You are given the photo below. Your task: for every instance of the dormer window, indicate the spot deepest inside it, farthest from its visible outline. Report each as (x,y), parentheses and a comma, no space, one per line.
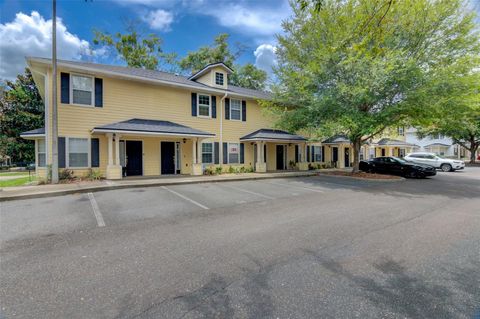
(219,78)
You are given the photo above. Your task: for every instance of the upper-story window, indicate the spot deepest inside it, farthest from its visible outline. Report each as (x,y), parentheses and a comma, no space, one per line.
(218,78)
(204,105)
(82,89)
(235,109)
(401,131)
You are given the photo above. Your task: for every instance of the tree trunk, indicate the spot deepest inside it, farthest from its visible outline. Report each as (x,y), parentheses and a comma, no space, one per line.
(473,149)
(357,144)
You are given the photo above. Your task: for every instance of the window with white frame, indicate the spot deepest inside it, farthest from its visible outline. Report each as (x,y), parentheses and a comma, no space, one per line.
(207,153)
(235,109)
(233,153)
(78,152)
(82,89)
(401,131)
(41,153)
(318,153)
(218,78)
(204,105)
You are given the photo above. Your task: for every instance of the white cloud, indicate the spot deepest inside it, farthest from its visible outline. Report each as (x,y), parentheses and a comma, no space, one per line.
(159,19)
(265,57)
(31,35)
(255,20)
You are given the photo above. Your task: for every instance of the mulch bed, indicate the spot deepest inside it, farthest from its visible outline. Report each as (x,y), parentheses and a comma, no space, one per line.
(361,175)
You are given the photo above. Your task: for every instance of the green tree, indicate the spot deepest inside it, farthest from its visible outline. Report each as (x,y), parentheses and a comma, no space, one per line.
(247,76)
(358,67)
(21,109)
(138,50)
(458,116)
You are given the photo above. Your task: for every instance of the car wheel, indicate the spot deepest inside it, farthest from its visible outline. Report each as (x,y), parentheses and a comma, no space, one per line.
(411,174)
(446,167)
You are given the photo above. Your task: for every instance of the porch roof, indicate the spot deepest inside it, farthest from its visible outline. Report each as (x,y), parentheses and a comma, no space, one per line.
(151,127)
(392,142)
(272,135)
(39,132)
(337,139)
(438,144)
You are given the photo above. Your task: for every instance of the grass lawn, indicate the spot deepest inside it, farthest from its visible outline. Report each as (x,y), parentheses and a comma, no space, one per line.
(14,173)
(17,181)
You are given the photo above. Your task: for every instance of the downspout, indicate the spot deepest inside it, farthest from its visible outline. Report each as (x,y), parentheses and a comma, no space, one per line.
(220,146)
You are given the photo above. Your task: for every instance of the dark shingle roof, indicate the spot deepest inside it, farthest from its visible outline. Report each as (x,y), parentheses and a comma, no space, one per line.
(157,75)
(392,142)
(270,134)
(337,139)
(38,131)
(152,126)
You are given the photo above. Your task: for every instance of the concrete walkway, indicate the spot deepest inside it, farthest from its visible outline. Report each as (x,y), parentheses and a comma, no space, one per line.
(24,192)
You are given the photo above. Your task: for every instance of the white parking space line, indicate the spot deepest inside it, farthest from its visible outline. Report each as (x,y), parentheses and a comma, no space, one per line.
(296,186)
(185,197)
(96,210)
(247,191)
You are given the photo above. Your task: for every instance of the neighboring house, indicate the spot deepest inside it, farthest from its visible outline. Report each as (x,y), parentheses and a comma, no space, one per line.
(130,122)
(437,144)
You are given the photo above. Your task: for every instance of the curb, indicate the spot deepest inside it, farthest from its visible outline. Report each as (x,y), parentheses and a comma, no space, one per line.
(152,184)
(400,179)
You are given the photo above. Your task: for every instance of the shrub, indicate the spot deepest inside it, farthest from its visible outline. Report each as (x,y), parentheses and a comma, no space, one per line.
(65,175)
(231,169)
(209,171)
(218,170)
(93,175)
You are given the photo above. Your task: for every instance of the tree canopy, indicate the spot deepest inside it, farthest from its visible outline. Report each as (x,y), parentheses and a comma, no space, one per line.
(358,67)
(138,50)
(21,109)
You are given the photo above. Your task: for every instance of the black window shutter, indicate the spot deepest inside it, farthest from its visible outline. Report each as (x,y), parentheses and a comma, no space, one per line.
(242,153)
(313,153)
(308,153)
(214,106)
(323,153)
(98,92)
(225,153)
(296,153)
(61,152)
(194,104)
(65,88)
(265,153)
(95,152)
(227,108)
(244,110)
(216,152)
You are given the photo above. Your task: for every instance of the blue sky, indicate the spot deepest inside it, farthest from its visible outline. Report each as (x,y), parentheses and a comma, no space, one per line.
(184,25)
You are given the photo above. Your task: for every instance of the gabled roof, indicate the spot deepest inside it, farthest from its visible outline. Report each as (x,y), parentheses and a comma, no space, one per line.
(392,142)
(34,133)
(151,127)
(337,139)
(198,74)
(154,76)
(438,144)
(270,134)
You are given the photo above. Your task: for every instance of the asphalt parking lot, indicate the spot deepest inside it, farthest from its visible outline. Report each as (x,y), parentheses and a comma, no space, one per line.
(311,247)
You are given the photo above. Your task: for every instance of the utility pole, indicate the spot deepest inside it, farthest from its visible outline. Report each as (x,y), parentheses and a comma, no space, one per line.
(54,97)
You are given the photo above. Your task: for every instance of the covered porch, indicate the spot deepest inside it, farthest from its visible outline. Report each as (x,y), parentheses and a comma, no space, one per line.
(140,147)
(391,147)
(338,151)
(276,150)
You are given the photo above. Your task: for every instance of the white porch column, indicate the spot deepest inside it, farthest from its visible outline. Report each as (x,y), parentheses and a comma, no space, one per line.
(259,155)
(196,157)
(199,151)
(260,165)
(117,149)
(194,151)
(110,149)
(114,171)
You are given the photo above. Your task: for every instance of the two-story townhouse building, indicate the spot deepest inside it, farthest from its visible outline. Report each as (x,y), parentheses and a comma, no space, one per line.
(134,122)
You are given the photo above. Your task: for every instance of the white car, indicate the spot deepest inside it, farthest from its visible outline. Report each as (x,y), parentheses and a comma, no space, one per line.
(445,164)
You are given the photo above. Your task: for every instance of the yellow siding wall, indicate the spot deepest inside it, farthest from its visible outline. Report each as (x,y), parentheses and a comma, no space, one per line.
(124,100)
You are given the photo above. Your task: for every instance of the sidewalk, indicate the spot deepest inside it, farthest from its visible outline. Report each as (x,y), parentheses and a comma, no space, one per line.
(25,192)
